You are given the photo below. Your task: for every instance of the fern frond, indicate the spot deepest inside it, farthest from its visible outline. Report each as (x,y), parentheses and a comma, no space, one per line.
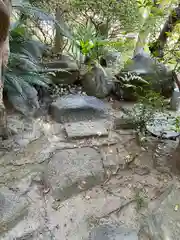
(23,62)
(13,83)
(36,79)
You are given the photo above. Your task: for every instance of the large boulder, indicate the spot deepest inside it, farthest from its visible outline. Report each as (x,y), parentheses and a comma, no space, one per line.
(110,58)
(74,108)
(65,70)
(98,82)
(158,76)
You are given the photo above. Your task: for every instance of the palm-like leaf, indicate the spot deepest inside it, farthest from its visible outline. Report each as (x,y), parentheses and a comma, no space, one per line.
(24,69)
(23,72)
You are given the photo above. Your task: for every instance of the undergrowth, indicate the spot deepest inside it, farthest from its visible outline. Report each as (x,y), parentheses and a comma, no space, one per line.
(144,110)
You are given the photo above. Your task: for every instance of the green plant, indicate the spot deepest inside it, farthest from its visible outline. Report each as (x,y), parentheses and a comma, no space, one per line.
(89,42)
(177,124)
(140,199)
(23,71)
(125,13)
(35,15)
(97,48)
(132,81)
(152,100)
(144,111)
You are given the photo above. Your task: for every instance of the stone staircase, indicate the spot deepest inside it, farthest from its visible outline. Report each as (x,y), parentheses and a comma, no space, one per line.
(60,181)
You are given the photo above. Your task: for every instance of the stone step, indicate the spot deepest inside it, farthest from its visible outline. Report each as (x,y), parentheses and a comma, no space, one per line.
(84,129)
(74,108)
(72,171)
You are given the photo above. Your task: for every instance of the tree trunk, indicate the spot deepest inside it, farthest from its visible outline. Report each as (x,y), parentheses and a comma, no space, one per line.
(157,47)
(145,31)
(102,29)
(5,9)
(142,36)
(59,42)
(141,42)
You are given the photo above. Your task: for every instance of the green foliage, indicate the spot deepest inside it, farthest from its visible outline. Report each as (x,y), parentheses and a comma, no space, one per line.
(96,27)
(124,11)
(127,80)
(144,3)
(94,45)
(152,100)
(33,16)
(116,17)
(144,111)
(23,68)
(177,124)
(24,71)
(140,198)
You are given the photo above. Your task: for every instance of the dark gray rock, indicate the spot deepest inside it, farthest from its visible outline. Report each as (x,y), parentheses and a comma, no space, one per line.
(73,108)
(63,63)
(110,232)
(65,69)
(97,82)
(158,76)
(111,58)
(12,209)
(164,222)
(73,170)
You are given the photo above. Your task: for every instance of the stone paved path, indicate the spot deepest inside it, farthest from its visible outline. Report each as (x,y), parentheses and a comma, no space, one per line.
(65,181)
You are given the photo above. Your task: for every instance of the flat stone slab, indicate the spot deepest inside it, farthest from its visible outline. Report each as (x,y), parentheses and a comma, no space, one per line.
(74,108)
(123,122)
(86,129)
(164,222)
(71,171)
(110,232)
(114,156)
(12,209)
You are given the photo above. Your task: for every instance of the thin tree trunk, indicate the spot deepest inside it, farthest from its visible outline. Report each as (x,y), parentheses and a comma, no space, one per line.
(59,42)
(142,37)
(103,29)
(145,31)
(5,9)
(158,46)
(141,42)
